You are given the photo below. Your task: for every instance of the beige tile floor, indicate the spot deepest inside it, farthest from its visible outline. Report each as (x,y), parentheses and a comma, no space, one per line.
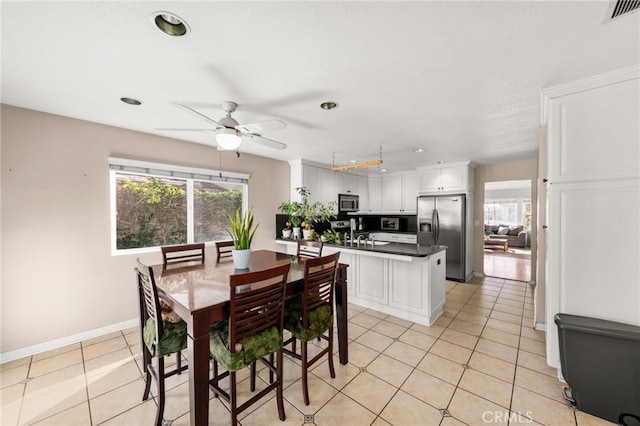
(481,363)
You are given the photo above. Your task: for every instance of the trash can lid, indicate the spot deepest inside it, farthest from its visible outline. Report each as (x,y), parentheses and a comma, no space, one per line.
(597,326)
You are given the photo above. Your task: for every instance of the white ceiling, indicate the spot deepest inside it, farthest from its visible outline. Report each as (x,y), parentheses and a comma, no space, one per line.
(460,79)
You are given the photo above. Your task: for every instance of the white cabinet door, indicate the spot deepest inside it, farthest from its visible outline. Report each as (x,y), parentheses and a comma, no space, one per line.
(402,295)
(454,179)
(347,183)
(446,179)
(410,192)
(347,259)
(392,194)
(595,134)
(431,180)
(329,187)
(375,194)
(363,192)
(437,286)
(587,274)
(373,279)
(312,180)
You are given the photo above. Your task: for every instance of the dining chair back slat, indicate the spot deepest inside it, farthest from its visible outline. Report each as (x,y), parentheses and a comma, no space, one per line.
(307,248)
(182,253)
(223,249)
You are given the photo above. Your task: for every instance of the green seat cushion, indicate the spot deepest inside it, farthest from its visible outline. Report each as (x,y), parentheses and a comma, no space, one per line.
(320,319)
(174,338)
(248,350)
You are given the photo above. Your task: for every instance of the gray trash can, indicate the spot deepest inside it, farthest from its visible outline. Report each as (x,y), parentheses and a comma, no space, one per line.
(600,361)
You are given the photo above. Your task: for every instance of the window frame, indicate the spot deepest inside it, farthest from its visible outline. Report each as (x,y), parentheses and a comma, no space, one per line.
(121,166)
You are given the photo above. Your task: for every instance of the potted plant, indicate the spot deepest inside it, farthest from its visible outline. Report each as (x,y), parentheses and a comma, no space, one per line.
(241,230)
(314,213)
(294,210)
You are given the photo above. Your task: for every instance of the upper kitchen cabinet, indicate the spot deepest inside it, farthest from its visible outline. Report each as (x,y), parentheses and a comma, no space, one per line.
(347,183)
(399,193)
(311,177)
(375,195)
(324,184)
(446,178)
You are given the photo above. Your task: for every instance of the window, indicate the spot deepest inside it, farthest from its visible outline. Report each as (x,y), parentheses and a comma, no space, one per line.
(507,212)
(155,204)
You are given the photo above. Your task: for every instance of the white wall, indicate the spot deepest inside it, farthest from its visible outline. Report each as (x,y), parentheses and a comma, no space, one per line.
(58,276)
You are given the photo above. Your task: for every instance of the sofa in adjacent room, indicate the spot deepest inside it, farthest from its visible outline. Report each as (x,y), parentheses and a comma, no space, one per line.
(515,235)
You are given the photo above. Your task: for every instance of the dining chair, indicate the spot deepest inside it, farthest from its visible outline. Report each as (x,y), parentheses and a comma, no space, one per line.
(307,248)
(223,249)
(159,337)
(253,331)
(310,315)
(182,253)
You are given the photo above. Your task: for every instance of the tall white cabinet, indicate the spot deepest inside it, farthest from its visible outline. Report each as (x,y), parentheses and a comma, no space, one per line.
(593,200)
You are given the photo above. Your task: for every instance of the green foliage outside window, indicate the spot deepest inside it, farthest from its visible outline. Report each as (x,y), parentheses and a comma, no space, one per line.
(152,211)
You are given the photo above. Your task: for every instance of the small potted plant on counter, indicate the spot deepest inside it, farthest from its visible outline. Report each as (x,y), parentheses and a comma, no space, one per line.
(294,210)
(241,230)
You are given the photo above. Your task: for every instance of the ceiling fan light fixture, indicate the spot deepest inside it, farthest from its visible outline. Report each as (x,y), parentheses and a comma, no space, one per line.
(228,139)
(170,24)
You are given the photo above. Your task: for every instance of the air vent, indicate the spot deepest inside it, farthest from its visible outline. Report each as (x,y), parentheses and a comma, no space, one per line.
(618,8)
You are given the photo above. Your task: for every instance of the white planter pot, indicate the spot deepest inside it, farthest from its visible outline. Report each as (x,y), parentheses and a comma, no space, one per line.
(296,233)
(241,258)
(307,233)
(286,234)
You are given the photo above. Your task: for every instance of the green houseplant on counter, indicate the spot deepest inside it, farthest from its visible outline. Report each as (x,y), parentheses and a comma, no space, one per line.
(313,213)
(241,230)
(294,210)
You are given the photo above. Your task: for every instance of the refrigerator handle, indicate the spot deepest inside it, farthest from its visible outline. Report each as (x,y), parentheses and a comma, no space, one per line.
(435,220)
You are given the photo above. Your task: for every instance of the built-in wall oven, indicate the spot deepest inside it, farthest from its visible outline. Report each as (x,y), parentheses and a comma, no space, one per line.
(348,203)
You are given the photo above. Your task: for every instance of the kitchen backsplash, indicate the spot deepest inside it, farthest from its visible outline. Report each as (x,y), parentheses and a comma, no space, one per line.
(408,223)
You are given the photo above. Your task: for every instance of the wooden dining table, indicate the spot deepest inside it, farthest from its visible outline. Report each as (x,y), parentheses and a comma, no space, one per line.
(199,293)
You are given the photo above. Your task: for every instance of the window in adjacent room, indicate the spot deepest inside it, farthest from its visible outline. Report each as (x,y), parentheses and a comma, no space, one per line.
(154,205)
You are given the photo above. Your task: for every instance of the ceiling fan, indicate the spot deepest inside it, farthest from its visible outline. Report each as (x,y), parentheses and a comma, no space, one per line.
(229,133)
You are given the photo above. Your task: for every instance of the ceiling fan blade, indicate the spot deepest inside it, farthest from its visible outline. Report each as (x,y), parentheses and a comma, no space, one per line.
(199,114)
(183,130)
(266,141)
(261,126)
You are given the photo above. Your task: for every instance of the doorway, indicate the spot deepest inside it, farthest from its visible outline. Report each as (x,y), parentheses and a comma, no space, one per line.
(507,229)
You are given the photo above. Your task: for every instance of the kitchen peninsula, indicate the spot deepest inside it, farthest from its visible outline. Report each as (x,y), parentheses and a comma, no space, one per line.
(404,280)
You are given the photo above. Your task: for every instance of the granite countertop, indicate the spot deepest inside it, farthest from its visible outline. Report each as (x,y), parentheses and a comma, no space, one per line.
(402,249)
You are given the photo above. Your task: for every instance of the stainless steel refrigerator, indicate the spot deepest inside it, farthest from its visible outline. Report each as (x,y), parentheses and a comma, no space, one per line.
(441,220)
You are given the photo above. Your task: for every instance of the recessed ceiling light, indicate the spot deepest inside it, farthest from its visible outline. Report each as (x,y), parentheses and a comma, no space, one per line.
(328,105)
(353,161)
(131,101)
(170,24)
(383,170)
(418,150)
(441,162)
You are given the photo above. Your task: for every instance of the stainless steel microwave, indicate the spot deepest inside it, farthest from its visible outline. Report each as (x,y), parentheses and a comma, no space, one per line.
(348,203)
(390,224)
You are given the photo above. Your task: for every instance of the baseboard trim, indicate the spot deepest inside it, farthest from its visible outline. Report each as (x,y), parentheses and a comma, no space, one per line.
(64,341)
(540,326)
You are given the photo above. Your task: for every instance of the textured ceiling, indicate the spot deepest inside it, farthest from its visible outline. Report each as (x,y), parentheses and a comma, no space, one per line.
(460,79)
